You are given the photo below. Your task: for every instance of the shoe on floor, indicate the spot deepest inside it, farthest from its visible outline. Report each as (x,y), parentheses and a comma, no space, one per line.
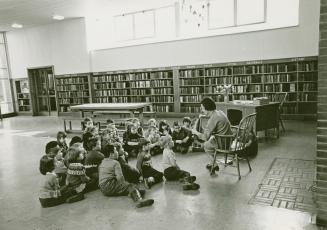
(190,186)
(144,203)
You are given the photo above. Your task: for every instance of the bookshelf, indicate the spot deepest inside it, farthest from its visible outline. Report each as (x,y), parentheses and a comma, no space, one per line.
(296,76)
(72,89)
(23,96)
(178,90)
(146,85)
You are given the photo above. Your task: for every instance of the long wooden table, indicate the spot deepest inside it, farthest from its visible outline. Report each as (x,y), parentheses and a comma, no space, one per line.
(113,108)
(267,115)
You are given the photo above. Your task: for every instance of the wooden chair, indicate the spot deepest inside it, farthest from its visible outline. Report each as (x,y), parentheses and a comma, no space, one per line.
(281,98)
(236,144)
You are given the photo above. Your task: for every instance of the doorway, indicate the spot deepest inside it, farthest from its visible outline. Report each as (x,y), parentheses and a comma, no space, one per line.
(43,92)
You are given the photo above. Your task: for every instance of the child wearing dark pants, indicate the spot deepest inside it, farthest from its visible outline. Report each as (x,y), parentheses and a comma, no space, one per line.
(182,138)
(172,171)
(51,194)
(150,175)
(112,181)
(92,161)
(131,138)
(131,174)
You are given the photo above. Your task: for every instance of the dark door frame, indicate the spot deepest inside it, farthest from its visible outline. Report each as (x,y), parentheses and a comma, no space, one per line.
(34,97)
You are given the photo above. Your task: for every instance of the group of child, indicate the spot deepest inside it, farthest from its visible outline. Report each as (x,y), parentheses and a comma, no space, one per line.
(100,160)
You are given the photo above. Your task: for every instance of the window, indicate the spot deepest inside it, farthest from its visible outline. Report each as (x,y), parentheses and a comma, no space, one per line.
(228,13)
(6,102)
(135,25)
(221,14)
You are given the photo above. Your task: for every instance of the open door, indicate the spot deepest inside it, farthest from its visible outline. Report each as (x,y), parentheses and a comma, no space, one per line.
(43,92)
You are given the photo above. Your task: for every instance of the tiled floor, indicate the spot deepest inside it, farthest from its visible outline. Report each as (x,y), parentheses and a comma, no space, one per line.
(288,184)
(221,203)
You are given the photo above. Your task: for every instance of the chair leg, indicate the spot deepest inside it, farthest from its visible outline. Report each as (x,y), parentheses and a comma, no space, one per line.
(238,167)
(247,160)
(225,159)
(282,124)
(212,171)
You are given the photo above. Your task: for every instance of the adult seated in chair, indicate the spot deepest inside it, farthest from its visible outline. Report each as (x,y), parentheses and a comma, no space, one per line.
(218,123)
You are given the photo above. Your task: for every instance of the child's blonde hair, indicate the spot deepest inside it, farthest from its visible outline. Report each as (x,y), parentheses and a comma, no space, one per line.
(164,140)
(73,153)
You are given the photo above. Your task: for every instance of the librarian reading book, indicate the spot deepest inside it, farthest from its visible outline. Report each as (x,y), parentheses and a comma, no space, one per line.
(218,123)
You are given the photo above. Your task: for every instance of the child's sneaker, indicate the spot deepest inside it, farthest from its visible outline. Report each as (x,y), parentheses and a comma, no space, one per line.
(144,203)
(192,186)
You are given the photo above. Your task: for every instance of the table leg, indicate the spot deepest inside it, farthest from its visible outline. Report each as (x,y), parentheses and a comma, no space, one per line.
(141,117)
(132,113)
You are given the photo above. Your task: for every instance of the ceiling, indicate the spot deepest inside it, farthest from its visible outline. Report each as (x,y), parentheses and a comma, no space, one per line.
(32,13)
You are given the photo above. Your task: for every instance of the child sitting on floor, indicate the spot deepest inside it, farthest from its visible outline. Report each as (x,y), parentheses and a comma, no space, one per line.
(75,139)
(153,137)
(51,194)
(92,161)
(61,140)
(182,138)
(144,165)
(137,123)
(52,151)
(164,128)
(172,171)
(112,181)
(76,177)
(131,140)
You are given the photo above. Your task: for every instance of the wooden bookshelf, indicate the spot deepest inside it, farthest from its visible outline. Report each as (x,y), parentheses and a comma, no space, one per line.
(148,85)
(178,90)
(23,96)
(296,76)
(72,89)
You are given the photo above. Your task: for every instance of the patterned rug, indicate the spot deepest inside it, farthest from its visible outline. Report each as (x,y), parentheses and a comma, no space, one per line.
(287,184)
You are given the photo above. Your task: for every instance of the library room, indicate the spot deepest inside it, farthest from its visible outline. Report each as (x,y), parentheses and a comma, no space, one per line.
(166,114)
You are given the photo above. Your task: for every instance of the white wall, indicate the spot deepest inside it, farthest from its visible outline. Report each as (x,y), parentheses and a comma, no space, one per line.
(278,43)
(61,44)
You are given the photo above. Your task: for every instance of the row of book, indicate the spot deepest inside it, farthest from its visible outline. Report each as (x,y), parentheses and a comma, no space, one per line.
(191,90)
(218,81)
(140,84)
(140,91)
(163,108)
(308,66)
(279,78)
(162,91)
(279,68)
(140,99)
(111,78)
(307,97)
(308,76)
(72,87)
(72,101)
(308,87)
(191,109)
(251,69)
(280,87)
(111,85)
(168,99)
(192,81)
(112,100)
(73,94)
(191,73)
(105,93)
(133,76)
(195,98)
(23,102)
(72,80)
(23,108)
(218,72)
